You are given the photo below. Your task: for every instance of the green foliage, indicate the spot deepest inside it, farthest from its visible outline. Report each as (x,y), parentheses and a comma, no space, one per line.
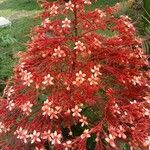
(124,146)
(146,42)
(140,14)
(7,40)
(12,40)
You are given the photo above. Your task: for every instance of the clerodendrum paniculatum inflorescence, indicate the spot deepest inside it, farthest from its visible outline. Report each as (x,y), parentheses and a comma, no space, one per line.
(82,78)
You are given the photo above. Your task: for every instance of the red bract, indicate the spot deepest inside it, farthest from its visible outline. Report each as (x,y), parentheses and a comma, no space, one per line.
(83,69)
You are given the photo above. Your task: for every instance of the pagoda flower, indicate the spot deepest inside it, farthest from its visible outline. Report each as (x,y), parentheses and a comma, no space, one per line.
(22,66)
(69,5)
(58,52)
(110,139)
(93,80)
(80,78)
(96,70)
(53,114)
(120,132)
(49,111)
(2,127)
(116,109)
(66,23)
(67,145)
(26,108)
(83,120)
(46,108)
(128,24)
(136,80)
(46,135)
(48,80)
(113,131)
(88,2)
(10,91)
(79,46)
(35,137)
(56,138)
(86,134)
(10,105)
(54,10)
(76,111)
(101,13)
(22,134)
(27,77)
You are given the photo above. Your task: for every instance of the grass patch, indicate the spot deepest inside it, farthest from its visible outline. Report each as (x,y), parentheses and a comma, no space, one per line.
(22,15)
(18,34)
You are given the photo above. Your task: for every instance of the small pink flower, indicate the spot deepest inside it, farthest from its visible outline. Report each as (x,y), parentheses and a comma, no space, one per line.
(137,80)
(85,134)
(128,24)
(35,137)
(56,138)
(76,111)
(10,91)
(88,2)
(83,120)
(22,134)
(10,105)
(79,46)
(46,135)
(46,108)
(93,80)
(26,108)
(53,114)
(120,132)
(116,109)
(101,13)
(66,23)
(69,5)
(48,80)
(80,78)
(110,139)
(67,145)
(58,52)
(96,70)
(2,127)
(54,10)
(50,111)
(26,77)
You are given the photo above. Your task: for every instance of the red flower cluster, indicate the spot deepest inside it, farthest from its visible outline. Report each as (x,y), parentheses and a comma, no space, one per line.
(79,59)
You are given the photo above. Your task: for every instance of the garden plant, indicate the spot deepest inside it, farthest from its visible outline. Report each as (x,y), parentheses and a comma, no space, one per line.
(77,88)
